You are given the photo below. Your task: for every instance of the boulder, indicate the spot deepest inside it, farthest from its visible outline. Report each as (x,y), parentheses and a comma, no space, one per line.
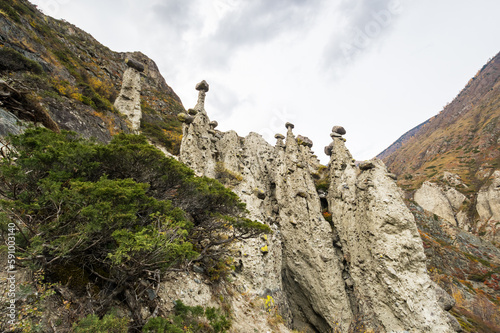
(432,198)
(213,124)
(328,149)
(134,64)
(279,136)
(289,125)
(445,300)
(453,322)
(202,86)
(259,193)
(304,141)
(338,129)
(392,176)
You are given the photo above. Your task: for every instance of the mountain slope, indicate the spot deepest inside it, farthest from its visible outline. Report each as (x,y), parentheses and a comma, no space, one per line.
(463,138)
(74,80)
(401,141)
(449,166)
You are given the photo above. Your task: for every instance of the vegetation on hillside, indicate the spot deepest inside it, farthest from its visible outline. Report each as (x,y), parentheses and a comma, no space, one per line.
(463,138)
(466,267)
(99,218)
(64,69)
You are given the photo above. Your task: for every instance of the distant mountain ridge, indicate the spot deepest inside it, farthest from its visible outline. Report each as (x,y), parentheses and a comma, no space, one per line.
(401,141)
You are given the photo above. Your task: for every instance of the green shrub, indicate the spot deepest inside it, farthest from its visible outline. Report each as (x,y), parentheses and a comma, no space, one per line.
(195,318)
(161,325)
(108,324)
(118,211)
(166,131)
(322,185)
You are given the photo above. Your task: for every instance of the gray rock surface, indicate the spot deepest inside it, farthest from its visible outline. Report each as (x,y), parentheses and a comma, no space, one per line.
(10,124)
(444,201)
(488,206)
(128,101)
(339,129)
(304,141)
(369,263)
(432,198)
(382,249)
(134,64)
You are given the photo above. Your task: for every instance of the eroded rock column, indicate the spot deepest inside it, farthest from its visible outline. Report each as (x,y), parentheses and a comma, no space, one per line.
(312,272)
(128,101)
(382,247)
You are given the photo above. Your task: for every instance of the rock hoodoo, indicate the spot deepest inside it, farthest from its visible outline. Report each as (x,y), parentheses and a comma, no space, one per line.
(202,88)
(366,264)
(128,101)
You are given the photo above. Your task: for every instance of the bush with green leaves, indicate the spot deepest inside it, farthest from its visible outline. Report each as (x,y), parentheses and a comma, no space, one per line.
(108,324)
(121,211)
(194,318)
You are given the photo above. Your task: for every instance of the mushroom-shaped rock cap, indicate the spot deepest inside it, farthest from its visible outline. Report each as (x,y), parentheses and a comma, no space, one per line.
(213,124)
(203,86)
(289,125)
(185,118)
(338,129)
(329,149)
(134,64)
(304,141)
(193,112)
(279,136)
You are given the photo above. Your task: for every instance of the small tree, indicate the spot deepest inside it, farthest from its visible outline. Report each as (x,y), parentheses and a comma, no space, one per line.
(121,211)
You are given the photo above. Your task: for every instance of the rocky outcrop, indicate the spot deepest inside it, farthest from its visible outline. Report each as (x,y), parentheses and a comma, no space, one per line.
(384,256)
(368,264)
(488,207)
(128,101)
(445,200)
(433,199)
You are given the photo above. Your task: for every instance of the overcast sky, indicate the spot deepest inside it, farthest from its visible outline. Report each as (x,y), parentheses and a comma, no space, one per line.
(376,67)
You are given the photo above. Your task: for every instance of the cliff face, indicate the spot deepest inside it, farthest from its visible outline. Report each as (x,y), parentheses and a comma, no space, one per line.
(366,267)
(78,84)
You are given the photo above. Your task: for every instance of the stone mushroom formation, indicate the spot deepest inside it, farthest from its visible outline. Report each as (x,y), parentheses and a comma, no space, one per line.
(202,88)
(188,117)
(128,101)
(279,137)
(337,133)
(370,260)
